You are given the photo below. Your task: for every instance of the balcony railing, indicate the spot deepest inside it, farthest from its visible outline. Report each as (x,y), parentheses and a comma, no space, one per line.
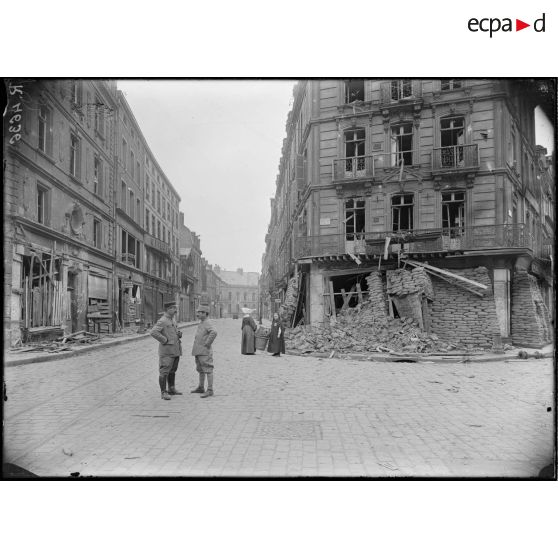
(481,238)
(368,166)
(157,244)
(455,157)
(400,91)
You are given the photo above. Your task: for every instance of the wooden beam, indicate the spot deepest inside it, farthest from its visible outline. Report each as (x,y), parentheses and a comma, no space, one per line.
(359,293)
(332,301)
(449,274)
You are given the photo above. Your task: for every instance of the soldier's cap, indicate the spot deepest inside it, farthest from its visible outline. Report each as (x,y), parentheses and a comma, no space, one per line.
(203,309)
(169,303)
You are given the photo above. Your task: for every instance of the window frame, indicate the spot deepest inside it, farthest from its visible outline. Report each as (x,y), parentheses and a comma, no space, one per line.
(97,233)
(43,204)
(75,155)
(97,175)
(348,85)
(46,123)
(397,138)
(451,84)
(409,207)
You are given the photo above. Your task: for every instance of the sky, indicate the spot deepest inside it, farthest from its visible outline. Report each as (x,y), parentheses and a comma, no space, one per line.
(219,143)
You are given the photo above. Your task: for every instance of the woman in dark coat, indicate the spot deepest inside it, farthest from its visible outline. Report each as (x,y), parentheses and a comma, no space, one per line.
(276,344)
(248,344)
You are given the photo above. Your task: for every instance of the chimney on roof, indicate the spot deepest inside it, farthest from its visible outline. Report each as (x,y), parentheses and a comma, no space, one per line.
(240,270)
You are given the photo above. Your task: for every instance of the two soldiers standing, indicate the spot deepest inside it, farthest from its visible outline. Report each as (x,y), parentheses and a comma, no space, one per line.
(170,351)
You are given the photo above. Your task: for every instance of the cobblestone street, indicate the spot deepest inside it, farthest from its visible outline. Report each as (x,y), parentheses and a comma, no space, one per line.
(100,414)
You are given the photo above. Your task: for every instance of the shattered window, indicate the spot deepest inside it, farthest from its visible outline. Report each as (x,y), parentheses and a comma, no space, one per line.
(401,89)
(453,213)
(354,90)
(452,138)
(402,145)
(450,84)
(402,212)
(354,219)
(354,150)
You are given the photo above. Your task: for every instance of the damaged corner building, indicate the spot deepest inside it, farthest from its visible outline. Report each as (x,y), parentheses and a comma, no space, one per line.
(413,215)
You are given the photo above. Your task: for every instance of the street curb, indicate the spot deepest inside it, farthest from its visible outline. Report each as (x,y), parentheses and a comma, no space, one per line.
(414,358)
(77,351)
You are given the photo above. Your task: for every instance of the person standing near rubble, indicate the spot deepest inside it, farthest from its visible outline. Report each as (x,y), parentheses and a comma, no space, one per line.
(276,344)
(203,352)
(249,327)
(170,349)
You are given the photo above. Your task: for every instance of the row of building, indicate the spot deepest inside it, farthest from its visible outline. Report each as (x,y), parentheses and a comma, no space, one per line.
(397,174)
(93,233)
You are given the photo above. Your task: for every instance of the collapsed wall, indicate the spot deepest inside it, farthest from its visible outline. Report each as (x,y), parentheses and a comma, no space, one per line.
(530,320)
(458,315)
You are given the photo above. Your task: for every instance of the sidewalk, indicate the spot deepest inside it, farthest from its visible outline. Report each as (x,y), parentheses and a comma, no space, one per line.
(15,359)
(104,342)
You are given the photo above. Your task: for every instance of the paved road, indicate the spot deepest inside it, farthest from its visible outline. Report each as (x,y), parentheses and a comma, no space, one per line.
(100,414)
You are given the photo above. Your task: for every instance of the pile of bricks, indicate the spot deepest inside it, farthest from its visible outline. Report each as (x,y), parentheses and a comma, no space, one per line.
(530,318)
(459,316)
(361,330)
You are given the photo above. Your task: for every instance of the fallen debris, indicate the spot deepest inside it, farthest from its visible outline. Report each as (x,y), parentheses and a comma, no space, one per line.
(362,330)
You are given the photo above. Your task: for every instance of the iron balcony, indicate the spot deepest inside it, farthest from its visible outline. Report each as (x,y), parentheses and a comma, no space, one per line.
(454,239)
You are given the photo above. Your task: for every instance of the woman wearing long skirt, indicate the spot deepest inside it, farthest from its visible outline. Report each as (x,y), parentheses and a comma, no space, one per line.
(248,344)
(276,344)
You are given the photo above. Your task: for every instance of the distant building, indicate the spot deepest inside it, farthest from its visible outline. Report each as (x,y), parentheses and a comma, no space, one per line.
(190,272)
(239,290)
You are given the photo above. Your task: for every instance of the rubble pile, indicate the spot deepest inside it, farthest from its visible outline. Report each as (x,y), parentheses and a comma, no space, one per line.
(362,329)
(60,344)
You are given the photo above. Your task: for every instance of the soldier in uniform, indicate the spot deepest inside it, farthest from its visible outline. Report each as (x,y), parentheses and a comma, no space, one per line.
(170,349)
(203,353)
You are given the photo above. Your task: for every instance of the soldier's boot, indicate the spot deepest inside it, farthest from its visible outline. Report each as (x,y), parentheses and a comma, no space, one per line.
(163,386)
(199,389)
(172,389)
(209,391)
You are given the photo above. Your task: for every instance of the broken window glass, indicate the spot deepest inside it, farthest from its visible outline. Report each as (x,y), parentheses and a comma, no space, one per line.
(355,162)
(401,89)
(453,214)
(354,90)
(402,145)
(450,84)
(355,225)
(402,212)
(452,138)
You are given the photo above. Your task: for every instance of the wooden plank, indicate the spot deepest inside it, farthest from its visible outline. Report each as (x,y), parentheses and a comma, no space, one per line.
(332,302)
(359,293)
(449,274)
(347,297)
